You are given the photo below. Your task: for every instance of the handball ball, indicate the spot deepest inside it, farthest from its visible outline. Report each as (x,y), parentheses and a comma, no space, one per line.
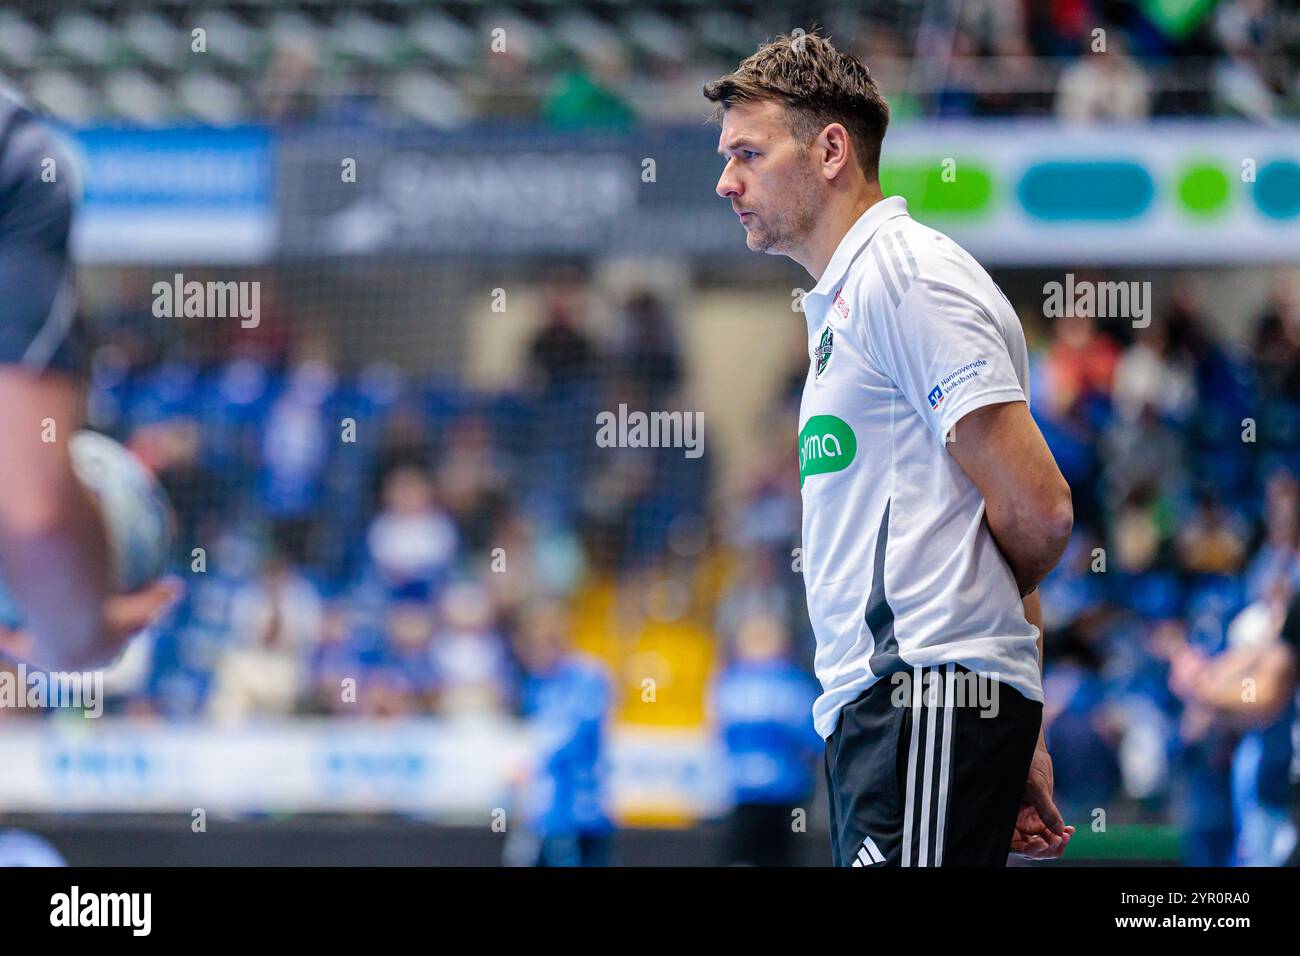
(138,518)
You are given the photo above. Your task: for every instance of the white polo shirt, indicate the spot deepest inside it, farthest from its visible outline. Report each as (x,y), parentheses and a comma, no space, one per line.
(906,334)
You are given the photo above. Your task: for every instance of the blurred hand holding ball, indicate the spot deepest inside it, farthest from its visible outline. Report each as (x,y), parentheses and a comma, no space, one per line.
(138,518)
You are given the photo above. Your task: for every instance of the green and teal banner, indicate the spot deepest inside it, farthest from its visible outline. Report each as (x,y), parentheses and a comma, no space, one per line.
(1157,193)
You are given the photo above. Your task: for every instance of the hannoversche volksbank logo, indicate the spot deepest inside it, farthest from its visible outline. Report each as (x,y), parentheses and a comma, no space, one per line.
(826,444)
(955,379)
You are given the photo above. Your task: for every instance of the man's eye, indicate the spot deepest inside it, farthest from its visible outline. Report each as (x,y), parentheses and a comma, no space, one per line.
(749,153)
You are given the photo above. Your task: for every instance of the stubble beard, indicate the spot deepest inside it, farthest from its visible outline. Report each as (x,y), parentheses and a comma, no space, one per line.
(787,231)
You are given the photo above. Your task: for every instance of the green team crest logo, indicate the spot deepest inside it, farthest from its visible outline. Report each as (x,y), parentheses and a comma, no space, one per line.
(823,351)
(826,444)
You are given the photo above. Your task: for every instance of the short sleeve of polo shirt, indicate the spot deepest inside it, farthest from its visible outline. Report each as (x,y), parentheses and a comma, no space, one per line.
(945,353)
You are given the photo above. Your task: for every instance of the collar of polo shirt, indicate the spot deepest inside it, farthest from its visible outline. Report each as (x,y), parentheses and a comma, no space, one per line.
(855,239)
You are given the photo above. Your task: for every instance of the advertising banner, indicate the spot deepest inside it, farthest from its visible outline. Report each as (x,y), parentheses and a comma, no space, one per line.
(175,195)
(458,772)
(1012,192)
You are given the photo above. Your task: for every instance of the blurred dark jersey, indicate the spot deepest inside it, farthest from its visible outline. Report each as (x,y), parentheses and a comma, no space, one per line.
(37,296)
(1291,627)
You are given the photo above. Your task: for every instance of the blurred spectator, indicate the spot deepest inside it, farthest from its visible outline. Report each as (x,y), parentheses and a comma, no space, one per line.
(1277,339)
(295,452)
(470,481)
(762,708)
(1276,565)
(336,664)
(1145,473)
(1154,375)
(468,654)
(650,368)
(562,355)
(1080,363)
(566,700)
(504,87)
(1140,528)
(406,682)
(562,373)
(1081,726)
(527,561)
(275,623)
(1212,540)
(1246,78)
(1104,85)
(411,541)
(585,96)
(290,86)
(756,586)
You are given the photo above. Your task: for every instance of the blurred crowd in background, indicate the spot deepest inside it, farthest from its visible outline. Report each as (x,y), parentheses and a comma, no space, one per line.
(1183,454)
(413,534)
(612,64)
(441,547)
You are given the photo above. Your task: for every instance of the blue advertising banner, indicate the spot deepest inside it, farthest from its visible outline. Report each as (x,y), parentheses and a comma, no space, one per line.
(176,194)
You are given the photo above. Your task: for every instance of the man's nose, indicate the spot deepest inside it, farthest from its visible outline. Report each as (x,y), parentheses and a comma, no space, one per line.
(728,185)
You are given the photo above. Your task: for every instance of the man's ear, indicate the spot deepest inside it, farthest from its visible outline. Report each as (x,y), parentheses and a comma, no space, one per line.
(835,149)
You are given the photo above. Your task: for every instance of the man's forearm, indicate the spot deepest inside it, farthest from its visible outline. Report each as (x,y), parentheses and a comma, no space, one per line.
(1030,549)
(60,574)
(53,548)
(1027,501)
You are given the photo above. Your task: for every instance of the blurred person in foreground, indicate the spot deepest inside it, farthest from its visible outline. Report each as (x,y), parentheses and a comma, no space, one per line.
(565,699)
(54,553)
(762,707)
(1252,686)
(19,848)
(932,506)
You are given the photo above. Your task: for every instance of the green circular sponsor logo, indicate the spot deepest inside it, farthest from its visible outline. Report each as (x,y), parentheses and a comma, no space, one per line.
(826,444)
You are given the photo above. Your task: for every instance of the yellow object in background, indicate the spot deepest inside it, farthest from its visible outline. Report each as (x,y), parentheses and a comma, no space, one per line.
(660,662)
